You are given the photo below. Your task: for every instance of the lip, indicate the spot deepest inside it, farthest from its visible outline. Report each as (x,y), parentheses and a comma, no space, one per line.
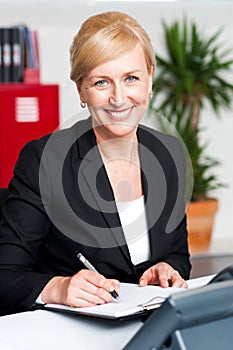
(119,114)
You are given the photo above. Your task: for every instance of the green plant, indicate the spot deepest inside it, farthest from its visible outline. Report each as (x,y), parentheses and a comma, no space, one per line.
(191,75)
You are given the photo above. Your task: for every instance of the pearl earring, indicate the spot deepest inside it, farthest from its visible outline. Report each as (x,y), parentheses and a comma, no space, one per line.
(150,95)
(83,104)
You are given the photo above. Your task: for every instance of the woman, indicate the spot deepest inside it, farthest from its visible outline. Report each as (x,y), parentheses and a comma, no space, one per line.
(106,187)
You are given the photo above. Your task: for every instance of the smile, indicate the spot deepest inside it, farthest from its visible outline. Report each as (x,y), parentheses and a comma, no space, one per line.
(119,114)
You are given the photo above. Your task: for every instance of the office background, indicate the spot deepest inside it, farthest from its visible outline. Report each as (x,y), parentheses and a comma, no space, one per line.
(56,22)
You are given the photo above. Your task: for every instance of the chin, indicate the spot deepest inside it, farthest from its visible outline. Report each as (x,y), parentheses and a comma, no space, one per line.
(117,130)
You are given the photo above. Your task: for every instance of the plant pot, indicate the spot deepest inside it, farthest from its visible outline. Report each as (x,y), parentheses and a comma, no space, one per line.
(200,219)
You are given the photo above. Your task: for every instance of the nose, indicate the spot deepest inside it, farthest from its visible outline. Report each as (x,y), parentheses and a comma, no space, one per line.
(118,95)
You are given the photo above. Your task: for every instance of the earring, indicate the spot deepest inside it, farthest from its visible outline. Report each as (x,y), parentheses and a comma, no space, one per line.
(83,104)
(150,95)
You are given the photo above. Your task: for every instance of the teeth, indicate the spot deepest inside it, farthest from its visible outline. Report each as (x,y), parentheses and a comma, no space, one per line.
(119,114)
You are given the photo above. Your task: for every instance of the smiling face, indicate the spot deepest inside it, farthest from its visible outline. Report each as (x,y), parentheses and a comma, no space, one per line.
(116,93)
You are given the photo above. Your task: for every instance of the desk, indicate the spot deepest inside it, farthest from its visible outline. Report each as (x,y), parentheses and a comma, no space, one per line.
(203,265)
(50,330)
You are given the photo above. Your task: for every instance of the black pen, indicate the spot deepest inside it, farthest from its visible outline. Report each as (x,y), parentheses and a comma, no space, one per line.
(90,267)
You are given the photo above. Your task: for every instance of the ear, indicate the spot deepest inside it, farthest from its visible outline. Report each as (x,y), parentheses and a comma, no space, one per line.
(152,70)
(81,95)
(151,78)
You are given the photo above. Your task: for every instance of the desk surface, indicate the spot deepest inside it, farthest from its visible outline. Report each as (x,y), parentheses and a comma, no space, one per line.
(50,330)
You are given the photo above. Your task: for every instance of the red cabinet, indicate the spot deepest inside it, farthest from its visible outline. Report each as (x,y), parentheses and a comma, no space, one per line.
(27,111)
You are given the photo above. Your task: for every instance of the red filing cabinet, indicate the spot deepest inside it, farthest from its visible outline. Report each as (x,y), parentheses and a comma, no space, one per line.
(27,111)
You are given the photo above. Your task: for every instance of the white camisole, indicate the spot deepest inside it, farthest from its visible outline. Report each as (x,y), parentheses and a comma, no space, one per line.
(133,220)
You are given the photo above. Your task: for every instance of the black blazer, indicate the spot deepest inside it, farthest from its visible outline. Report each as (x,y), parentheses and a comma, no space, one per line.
(61,203)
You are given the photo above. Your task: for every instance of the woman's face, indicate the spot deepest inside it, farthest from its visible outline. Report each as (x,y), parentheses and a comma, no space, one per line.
(117,94)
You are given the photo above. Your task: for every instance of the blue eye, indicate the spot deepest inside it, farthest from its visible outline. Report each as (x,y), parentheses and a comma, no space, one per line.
(101,83)
(131,79)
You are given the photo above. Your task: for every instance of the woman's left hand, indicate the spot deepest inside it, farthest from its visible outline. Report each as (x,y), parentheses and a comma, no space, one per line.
(164,275)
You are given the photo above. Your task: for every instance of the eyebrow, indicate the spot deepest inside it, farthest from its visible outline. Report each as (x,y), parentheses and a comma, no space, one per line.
(102,76)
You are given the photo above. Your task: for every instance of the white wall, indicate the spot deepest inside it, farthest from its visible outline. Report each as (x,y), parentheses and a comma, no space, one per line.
(58,20)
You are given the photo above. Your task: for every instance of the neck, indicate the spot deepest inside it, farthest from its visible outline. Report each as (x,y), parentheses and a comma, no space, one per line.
(121,159)
(121,149)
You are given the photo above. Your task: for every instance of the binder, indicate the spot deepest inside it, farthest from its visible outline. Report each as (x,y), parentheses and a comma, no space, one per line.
(29,49)
(32,73)
(17,54)
(35,45)
(6,55)
(1,48)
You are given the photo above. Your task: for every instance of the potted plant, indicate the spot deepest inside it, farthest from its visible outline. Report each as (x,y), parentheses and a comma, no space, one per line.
(191,75)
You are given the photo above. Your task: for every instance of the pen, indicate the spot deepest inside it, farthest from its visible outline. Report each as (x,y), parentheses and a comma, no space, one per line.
(90,267)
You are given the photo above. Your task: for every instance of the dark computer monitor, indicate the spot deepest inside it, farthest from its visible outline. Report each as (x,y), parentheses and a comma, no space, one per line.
(197,319)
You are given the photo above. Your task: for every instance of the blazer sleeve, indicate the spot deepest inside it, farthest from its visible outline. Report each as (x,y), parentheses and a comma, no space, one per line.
(178,256)
(172,231)
(23,228)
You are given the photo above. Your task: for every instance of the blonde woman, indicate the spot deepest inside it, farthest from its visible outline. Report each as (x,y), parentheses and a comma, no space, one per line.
(107,187)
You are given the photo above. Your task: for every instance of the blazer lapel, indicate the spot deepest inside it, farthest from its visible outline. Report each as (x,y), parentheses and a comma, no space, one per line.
(98,192)
(154,185)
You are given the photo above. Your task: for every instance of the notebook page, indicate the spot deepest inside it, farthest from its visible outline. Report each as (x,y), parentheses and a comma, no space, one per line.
(131,297)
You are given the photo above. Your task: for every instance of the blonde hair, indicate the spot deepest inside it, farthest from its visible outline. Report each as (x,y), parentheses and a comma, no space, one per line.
(104,37)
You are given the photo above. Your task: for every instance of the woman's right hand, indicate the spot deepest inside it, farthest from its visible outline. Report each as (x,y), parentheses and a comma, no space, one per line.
(85,288)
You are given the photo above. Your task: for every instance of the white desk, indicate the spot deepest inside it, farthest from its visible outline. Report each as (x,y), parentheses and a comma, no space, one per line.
(40,329)
(44,330)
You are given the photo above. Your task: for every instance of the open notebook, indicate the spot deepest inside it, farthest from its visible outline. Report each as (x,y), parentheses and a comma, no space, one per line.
(134,300)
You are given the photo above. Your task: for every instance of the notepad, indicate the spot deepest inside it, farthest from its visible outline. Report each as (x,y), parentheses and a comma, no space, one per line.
(134,300)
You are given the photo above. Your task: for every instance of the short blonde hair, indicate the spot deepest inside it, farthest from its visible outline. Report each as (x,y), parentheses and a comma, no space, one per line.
(104,37)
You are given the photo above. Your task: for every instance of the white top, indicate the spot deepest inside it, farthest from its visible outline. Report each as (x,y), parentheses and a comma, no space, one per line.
(133,220)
